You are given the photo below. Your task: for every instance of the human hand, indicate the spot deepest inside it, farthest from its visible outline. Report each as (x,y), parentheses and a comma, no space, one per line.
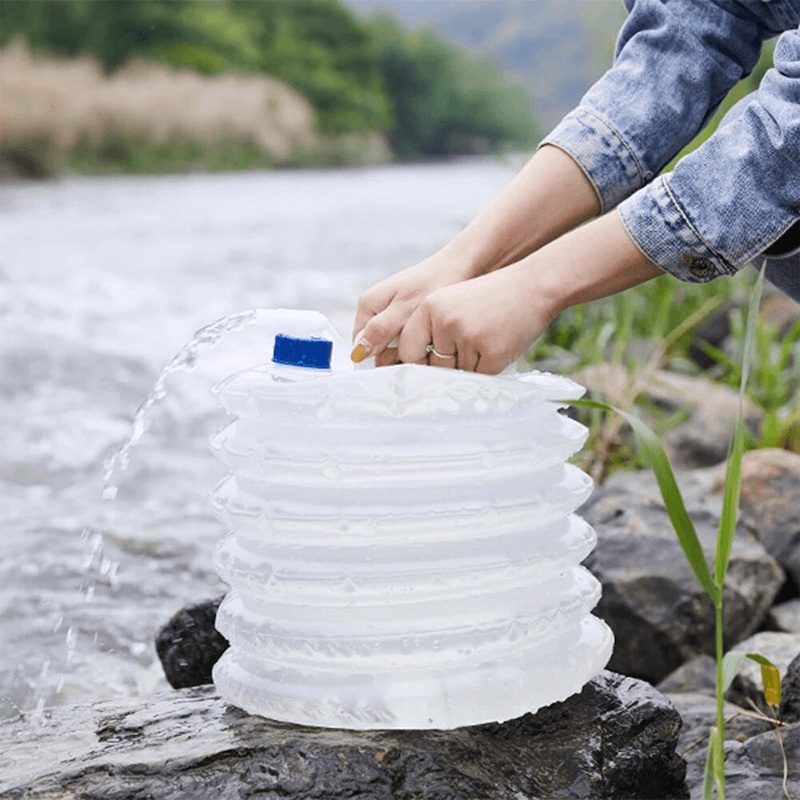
(479,325)
(384,309)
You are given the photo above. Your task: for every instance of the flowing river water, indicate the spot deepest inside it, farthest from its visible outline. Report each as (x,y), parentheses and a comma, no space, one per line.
(102,282)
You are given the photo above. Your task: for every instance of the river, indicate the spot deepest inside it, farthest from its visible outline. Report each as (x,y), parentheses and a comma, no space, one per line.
(102,282)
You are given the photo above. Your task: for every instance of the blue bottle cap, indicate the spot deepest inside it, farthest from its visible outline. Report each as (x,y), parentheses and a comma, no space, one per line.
(311,353)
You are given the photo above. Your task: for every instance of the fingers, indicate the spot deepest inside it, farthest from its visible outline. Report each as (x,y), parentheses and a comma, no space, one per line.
(425,338)
(388,356)
(378,333)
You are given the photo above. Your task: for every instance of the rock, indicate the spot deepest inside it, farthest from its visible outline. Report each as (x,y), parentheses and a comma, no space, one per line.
(770,504)
(712,409)
(753,764)
(660,615)
(701,488)
(615,739)
(785,616)
(697,676)
(754,768)
(780,648)
(790,692)
(189,645)
(698,712)
(780,312)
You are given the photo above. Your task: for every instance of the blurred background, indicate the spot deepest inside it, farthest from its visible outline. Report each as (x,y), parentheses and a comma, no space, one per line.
(168,163)
(111,85)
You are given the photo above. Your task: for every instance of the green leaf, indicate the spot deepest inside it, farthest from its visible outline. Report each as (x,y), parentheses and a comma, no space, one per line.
(731,664)
(718,757)
(708,776)
(730,503)
(770,678)
(655,456)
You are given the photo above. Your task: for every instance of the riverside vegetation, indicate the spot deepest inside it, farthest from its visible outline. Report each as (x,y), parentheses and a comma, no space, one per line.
(727,665)
(155,86)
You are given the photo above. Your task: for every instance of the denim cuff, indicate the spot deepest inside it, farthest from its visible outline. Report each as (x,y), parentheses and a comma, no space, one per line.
(601,152)
(660,229)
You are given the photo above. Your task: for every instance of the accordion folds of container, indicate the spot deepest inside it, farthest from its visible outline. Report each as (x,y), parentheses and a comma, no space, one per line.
(403,550)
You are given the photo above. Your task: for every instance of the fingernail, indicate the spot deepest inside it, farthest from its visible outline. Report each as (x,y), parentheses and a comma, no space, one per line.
(360,352)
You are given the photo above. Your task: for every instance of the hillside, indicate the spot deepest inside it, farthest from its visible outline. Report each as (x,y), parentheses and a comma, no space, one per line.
(558,48)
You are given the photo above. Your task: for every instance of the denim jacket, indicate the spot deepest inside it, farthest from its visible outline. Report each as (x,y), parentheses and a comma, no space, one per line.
(734,200)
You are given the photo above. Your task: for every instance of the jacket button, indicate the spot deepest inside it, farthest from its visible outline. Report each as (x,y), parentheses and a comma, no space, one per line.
(701,267)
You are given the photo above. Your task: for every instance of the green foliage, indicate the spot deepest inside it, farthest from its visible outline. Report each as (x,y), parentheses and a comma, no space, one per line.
(111,30)
(130,155)
(320,49)
(713,585)
(432,97)
(622,328)
(445,100)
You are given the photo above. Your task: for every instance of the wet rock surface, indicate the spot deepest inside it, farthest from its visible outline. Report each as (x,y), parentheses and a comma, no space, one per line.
(627,522)
(189,645)
(615,739)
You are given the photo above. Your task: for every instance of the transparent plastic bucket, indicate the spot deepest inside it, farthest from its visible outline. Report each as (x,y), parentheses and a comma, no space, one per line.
(402,550)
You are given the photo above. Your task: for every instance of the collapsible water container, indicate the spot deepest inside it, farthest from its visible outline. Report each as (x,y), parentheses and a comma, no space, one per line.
(403,551)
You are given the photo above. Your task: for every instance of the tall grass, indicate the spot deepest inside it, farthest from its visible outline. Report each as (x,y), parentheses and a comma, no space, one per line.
(712,582)
(68,114)
(652,327)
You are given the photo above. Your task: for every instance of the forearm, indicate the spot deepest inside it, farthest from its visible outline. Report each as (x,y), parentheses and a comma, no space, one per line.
(488,322)
(549,197)
(594,261)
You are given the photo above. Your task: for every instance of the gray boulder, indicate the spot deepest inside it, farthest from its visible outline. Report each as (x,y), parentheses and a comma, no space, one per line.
(780,648)
(753,758)
(754,768)
(790,692)
(711,409)
(615,739)
(785,616)
(697,676)
(770,504)
(651,599)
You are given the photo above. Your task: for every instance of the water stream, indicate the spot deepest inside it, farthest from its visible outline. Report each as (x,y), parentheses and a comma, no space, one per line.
(102,283)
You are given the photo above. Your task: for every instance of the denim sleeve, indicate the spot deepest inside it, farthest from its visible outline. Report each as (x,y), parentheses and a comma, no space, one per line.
(729,200)
(675,61)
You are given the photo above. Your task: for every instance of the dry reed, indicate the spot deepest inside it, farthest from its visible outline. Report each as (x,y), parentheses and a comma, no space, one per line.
(61,103)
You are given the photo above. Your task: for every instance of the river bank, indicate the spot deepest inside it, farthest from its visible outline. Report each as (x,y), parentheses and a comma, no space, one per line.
(67,116)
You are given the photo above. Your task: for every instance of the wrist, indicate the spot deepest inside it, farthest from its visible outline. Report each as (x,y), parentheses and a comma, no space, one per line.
(591,262)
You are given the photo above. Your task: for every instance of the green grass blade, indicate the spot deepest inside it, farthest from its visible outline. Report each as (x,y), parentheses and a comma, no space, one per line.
(718,742)
(657,459)
(731,664)
(730,502)
(708,776)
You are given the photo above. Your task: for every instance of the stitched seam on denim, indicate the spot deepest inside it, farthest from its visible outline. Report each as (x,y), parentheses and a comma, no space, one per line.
(758,242)
(729,268)
(638,246)
(639,166)
(789,253)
